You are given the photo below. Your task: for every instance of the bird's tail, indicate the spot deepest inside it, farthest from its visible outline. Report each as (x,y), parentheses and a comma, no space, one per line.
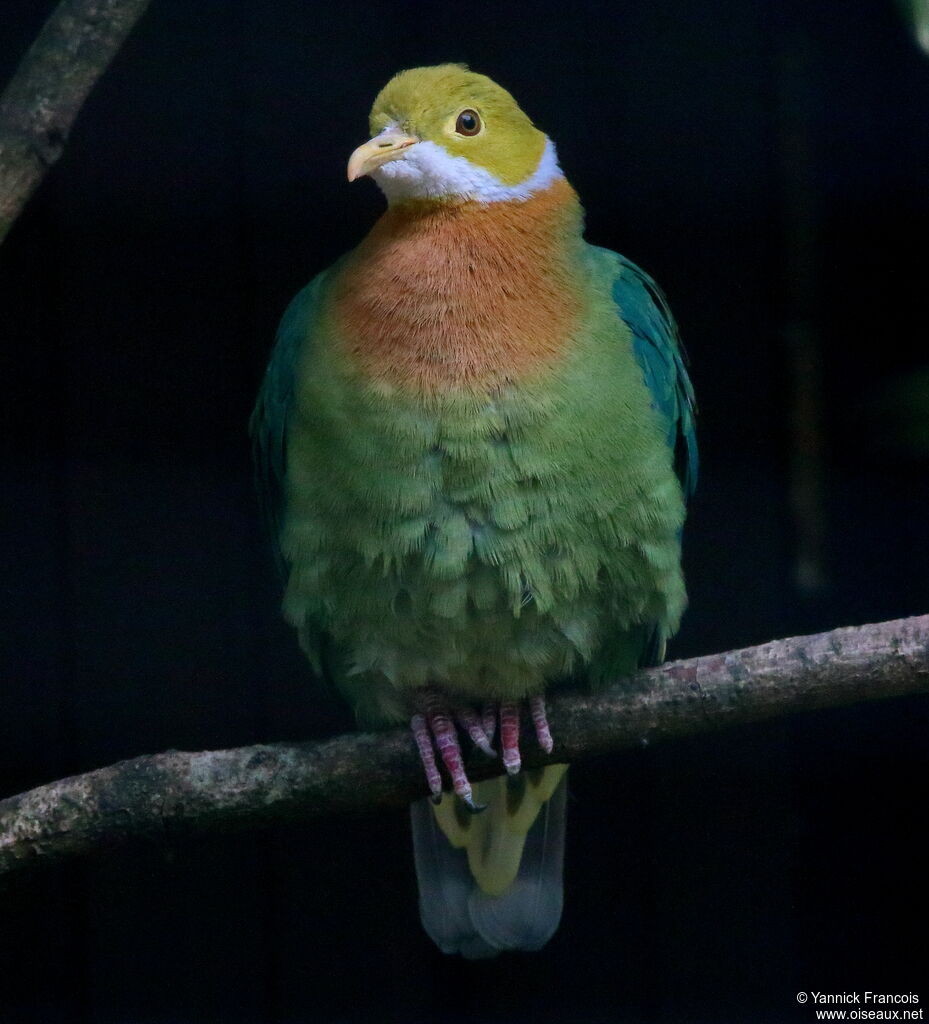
(491,881)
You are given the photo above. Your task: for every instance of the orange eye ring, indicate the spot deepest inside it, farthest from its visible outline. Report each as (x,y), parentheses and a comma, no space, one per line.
(468,123)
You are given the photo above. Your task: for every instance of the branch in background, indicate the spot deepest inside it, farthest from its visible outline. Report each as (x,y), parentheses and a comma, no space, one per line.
(40,104)
(179,793)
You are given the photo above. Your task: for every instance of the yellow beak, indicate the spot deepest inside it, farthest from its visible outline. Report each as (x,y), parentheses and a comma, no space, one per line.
(382,148)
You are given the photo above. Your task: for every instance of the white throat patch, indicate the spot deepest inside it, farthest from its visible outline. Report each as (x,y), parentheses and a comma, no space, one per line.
(427,171)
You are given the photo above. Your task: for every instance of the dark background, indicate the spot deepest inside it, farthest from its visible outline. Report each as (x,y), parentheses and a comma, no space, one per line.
(767,162)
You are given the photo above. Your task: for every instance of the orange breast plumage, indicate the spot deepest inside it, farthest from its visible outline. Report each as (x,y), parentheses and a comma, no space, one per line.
(462,295)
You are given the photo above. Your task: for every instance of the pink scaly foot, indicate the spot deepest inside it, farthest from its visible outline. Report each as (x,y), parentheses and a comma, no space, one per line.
(434,727)
(509,730)
(489,721)
(509,737)
(475,728)
(540,720)
(437,724)
(423,738)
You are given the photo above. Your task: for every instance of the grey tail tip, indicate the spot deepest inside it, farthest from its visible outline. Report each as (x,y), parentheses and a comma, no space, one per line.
(462,919)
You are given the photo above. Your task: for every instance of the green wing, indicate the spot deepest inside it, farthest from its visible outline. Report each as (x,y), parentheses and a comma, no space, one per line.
(268,424)
(642,306)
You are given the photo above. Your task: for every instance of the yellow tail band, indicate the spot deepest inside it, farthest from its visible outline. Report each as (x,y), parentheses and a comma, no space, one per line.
(494,839)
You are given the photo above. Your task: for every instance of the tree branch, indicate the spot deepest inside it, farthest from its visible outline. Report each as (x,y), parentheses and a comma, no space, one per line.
(40,104)
(179,793)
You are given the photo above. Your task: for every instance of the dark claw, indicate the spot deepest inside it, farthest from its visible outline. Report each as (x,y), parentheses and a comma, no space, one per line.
(473,808)
(474,727)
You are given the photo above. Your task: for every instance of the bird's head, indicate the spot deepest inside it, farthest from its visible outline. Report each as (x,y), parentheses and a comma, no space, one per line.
(446,132)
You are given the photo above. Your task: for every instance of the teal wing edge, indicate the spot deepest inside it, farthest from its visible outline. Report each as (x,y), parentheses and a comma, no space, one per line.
(660,354)
(268,423)
(642,306)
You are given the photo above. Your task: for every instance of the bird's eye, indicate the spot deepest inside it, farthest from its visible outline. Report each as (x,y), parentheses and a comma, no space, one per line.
(468,123)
